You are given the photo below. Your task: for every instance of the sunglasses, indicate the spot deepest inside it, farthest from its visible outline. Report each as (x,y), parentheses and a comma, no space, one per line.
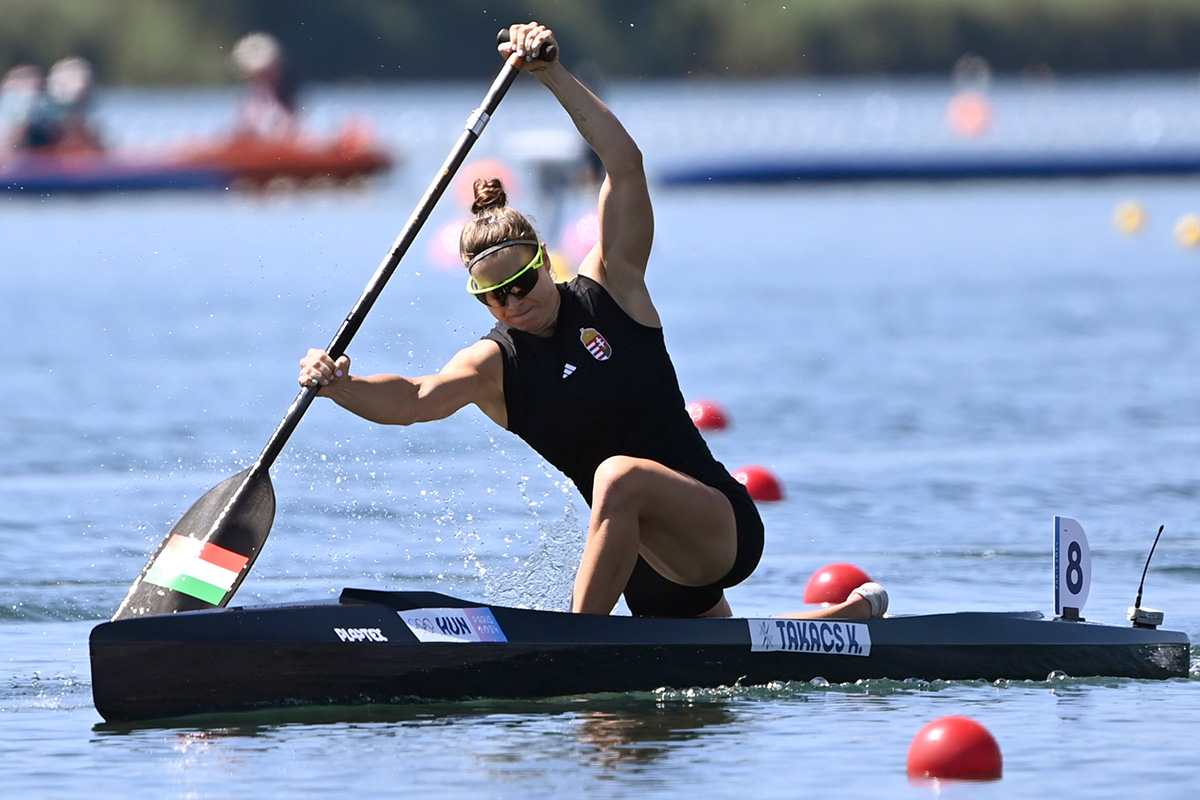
(519,285)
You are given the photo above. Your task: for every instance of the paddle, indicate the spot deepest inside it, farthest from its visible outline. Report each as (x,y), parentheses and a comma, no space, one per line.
(209,552)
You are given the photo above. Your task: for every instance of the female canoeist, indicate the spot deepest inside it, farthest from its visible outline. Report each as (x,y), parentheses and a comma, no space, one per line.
(670,528)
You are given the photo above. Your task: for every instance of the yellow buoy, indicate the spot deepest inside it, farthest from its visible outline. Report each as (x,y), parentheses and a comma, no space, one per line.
(1187,230)
(1130,217)
(563,269)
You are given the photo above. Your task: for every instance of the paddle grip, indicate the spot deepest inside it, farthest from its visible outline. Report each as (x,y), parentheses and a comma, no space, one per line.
(549,52)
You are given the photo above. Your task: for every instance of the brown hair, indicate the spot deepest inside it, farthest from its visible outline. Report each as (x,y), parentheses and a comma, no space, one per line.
(494,220)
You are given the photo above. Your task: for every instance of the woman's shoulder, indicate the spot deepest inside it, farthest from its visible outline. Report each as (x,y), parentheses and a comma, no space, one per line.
(582,285)
(502,335)
(598,297)
(589,294)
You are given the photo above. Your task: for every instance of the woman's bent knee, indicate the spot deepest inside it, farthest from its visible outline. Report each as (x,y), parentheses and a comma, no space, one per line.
(617,479)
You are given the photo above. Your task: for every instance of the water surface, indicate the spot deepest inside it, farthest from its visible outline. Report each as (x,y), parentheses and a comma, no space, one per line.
(934,372)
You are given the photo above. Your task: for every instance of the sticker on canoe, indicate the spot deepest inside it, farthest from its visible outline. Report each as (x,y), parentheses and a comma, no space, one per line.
(360,634)
(453,625)
(827,636)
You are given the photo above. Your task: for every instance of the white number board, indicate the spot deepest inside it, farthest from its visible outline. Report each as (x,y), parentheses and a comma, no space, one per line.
(1072,565)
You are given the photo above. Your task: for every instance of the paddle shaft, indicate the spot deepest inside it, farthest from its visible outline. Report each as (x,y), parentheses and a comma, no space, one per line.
(209,552)
(354,320)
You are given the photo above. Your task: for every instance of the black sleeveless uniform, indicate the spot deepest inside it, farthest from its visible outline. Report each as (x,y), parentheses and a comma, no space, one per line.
(613,377)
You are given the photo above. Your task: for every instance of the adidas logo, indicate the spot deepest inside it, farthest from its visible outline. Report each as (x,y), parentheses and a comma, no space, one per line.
(568,369)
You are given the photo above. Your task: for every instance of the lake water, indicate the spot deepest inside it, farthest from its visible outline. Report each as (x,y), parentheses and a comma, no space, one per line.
(933,371)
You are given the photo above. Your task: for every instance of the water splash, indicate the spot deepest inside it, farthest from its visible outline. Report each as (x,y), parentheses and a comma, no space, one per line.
(544,578)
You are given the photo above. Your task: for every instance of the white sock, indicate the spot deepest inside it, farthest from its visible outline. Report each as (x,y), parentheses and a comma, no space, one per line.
(876,595)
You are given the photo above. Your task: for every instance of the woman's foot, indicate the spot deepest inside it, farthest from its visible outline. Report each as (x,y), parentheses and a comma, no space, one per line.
(874,594)
(869,601)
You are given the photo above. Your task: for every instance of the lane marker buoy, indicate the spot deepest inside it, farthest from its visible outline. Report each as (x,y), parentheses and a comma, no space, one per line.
(969,114)
(955,748)
(1130,217)
(762,485)
(1187,230)
(707,415)
(443,247)
(833,583)
(486,169)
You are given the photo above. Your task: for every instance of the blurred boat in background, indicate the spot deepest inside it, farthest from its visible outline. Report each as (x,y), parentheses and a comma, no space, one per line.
(347,158)
(922,166)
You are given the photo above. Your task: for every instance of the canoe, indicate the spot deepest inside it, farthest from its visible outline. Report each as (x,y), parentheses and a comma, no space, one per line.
(216,165)
(398,647)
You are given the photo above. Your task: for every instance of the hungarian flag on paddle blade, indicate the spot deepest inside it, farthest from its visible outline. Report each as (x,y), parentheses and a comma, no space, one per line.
(200,569)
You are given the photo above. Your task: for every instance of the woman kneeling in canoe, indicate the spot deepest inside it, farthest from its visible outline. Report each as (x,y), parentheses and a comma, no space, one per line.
(670,528)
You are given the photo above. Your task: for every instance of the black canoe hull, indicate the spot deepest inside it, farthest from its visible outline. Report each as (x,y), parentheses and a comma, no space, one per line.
(359,649)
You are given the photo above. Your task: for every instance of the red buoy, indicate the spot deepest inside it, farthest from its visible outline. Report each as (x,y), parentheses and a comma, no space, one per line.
(833,583)
(486,169)
(957,748)
(969,114)
(707,415)
(759,481)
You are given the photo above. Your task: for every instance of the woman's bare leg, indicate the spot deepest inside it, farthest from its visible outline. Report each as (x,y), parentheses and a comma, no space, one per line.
(684,529)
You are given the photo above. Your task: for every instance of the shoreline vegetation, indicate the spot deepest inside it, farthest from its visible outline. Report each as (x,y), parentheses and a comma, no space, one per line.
(187,42)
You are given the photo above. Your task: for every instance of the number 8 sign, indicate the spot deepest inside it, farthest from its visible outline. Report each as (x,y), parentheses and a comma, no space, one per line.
(1072,567)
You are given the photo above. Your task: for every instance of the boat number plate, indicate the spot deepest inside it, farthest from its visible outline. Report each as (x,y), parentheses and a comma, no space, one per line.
(453,625)
(831,637)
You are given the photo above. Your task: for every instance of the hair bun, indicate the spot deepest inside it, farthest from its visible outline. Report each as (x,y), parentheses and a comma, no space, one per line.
(489,193)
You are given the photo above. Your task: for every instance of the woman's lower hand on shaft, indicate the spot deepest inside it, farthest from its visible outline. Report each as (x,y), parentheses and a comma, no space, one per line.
(318,368)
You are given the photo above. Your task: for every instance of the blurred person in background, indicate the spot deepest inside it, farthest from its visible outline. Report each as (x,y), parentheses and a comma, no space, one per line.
(69,89)
(267,109)
(25,110)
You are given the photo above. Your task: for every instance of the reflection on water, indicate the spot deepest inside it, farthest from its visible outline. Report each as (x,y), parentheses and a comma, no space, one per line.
(602,732)
(648,740)
(611,739)
(604,722)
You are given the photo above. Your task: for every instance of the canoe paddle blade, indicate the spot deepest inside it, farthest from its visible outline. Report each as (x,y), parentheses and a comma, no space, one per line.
(208,553)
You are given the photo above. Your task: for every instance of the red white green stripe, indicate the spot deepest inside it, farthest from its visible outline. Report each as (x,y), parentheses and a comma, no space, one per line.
(200,569)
